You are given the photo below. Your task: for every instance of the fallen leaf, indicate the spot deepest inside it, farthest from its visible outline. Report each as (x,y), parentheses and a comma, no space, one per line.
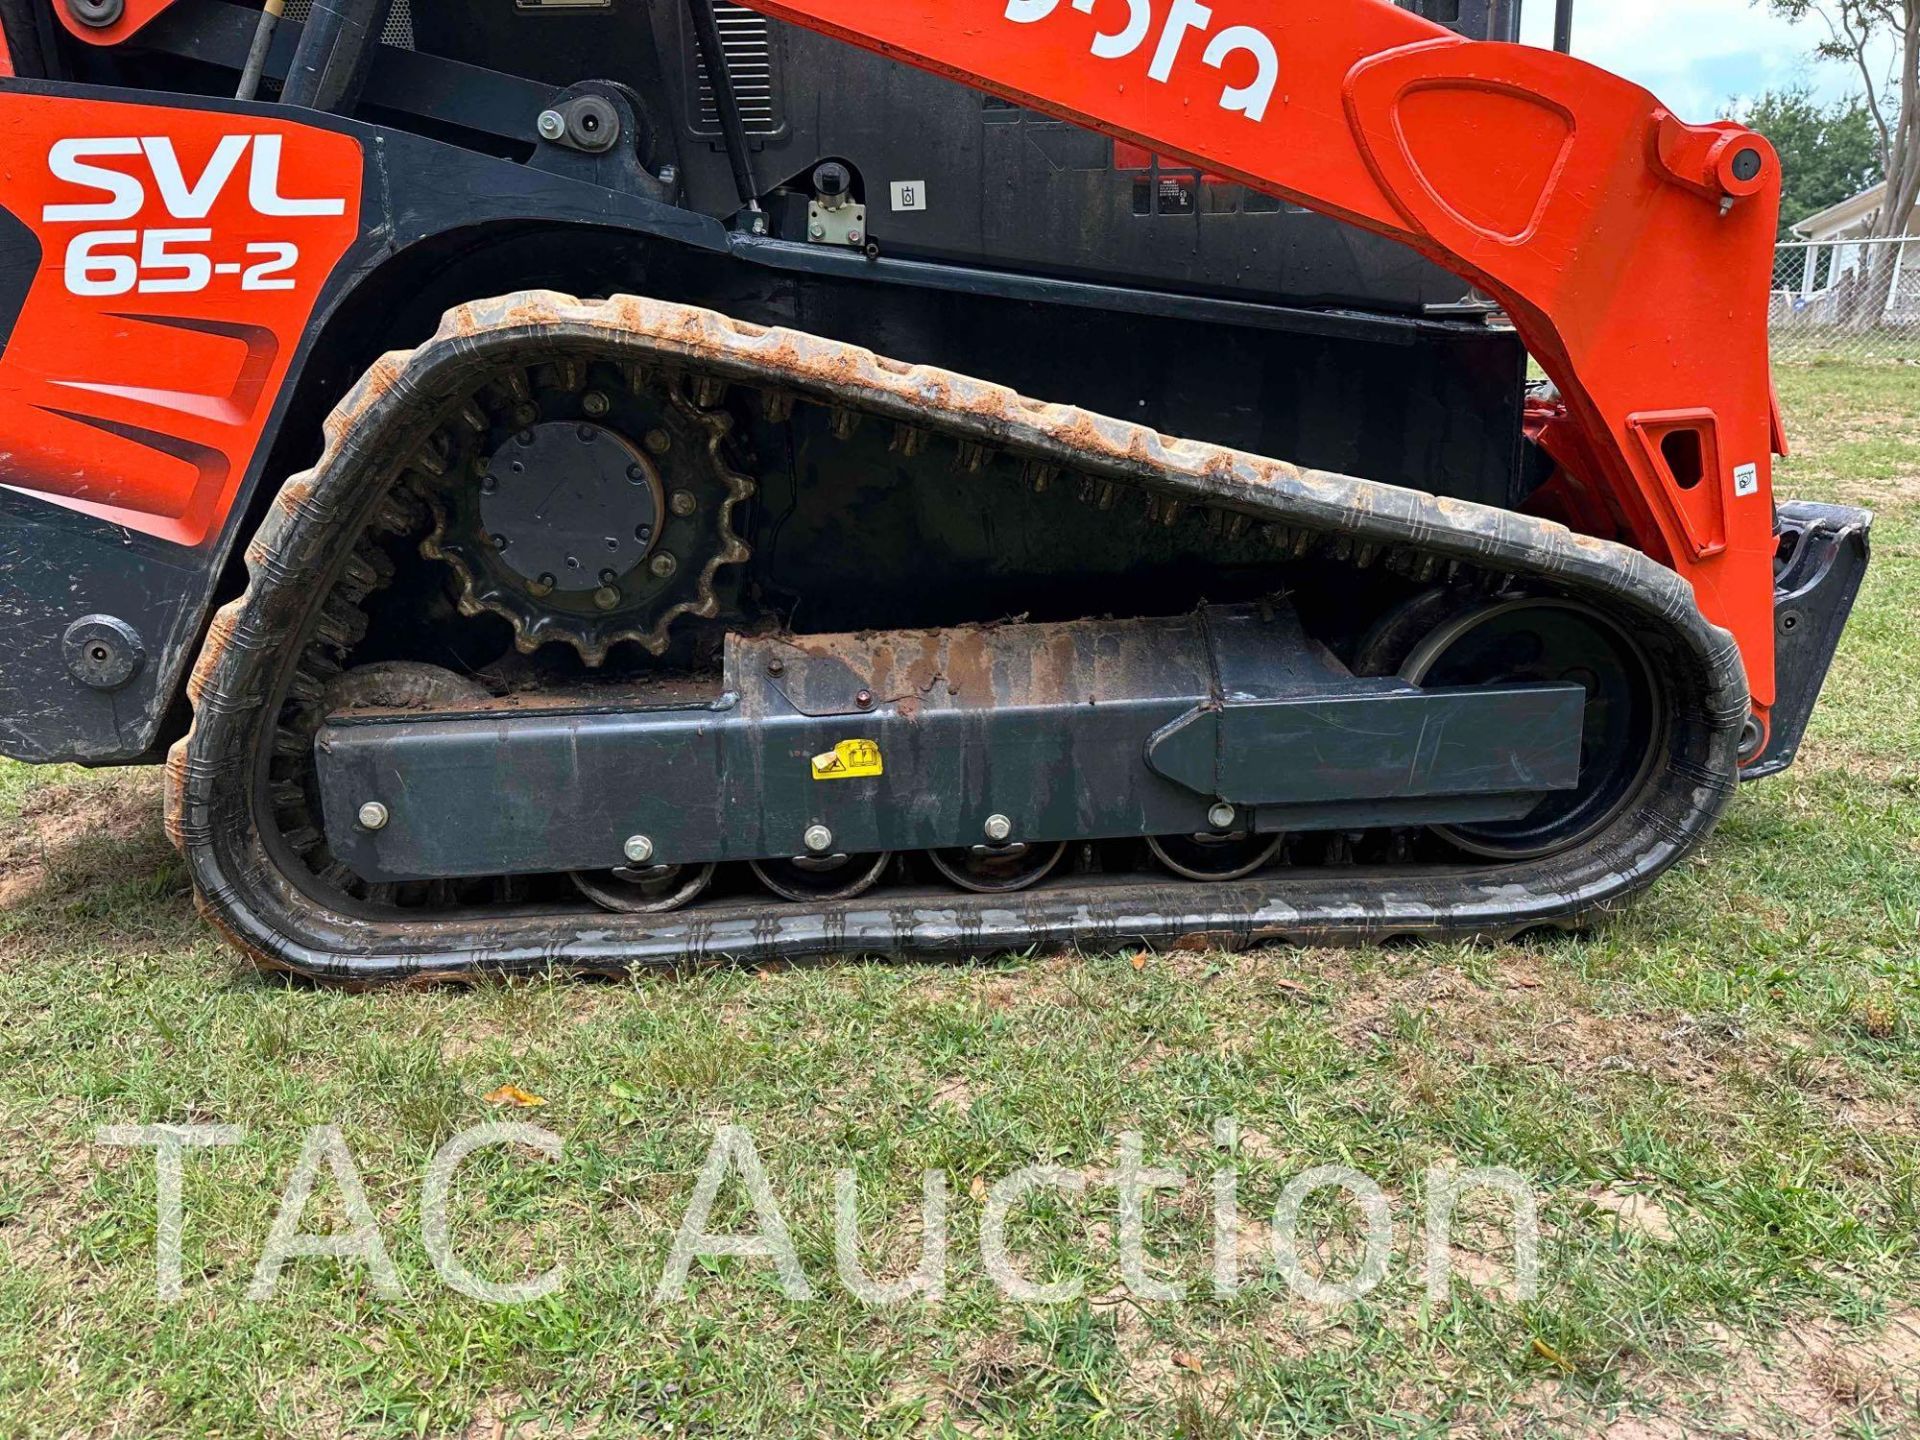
(1292,987)
(513,1095)
(1140,960)
(1186,1360)
(1547,1352)
(977,1187)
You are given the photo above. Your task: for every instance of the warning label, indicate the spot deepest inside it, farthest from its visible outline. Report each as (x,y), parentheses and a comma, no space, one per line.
(848,759)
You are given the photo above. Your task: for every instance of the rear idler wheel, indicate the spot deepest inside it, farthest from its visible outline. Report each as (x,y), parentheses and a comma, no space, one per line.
(807,879)
(997,869)
(1214,857)
(645,889)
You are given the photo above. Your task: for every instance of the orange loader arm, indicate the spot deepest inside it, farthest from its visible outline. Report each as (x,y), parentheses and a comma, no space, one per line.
(1633,252)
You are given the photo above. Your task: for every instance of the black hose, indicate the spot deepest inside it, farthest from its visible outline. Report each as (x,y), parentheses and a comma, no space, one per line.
(330,63)
(257,54)
(733,131)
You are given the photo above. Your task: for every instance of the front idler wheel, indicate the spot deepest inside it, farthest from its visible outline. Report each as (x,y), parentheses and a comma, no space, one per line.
(1536,640)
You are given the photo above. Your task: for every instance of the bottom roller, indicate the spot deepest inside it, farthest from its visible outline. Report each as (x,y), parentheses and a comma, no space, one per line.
(1175,694)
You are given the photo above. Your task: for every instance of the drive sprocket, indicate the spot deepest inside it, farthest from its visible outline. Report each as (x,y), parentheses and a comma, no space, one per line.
(587,504)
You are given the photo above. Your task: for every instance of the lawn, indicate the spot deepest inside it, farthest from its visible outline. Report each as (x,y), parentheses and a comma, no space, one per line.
(1715,1100)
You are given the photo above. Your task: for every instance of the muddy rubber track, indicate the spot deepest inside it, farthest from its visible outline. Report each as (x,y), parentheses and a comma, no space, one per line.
(283,920)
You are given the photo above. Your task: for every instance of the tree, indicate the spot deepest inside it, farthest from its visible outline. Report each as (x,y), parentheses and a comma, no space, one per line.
(1860,33)
(1827,152)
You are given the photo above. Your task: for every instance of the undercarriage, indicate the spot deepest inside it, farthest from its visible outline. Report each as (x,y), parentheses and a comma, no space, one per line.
(833,654)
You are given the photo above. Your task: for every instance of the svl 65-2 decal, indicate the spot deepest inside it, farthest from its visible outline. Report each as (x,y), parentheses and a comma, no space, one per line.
(181,253)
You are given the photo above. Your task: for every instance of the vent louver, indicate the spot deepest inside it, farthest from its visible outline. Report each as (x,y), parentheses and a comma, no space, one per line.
(746,38)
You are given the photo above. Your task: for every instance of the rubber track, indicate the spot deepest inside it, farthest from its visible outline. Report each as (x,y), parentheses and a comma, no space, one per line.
(376,431)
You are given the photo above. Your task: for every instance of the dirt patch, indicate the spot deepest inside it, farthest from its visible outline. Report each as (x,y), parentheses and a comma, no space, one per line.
(1814,1379)
(69,830)
(1635,1212)
(1832,756)
(1523,1013)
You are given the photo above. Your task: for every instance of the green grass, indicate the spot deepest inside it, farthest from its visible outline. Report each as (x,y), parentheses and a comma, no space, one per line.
(1741,1050)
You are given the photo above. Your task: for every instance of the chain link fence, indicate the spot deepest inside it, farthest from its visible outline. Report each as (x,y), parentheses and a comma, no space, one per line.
(1846,300)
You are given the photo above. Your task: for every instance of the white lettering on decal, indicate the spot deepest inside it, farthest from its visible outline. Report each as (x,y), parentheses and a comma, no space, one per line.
(1183,18)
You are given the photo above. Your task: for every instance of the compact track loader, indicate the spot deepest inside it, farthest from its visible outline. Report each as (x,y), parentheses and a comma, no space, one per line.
(612,483)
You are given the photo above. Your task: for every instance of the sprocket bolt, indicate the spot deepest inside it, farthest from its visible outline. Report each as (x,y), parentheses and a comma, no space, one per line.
(658,442)
(594,403)
(663,565)
(542,586)
(606,598)
(682,503)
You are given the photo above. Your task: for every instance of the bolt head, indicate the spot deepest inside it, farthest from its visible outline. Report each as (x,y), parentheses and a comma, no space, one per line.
(682,503)
(818,839)
(1221,815)
(373,816)
(663,565)
(658,442)
(595,403)
(638,849)
(854,237)
(819,232)
(864,699)
(542,586)
(998,829)
(606,598)
(551,125)
(488,484)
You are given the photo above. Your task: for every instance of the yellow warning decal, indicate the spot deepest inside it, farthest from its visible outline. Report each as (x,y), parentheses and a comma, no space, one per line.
(848,759)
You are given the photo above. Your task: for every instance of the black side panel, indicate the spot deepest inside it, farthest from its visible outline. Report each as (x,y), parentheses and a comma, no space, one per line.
(993,184)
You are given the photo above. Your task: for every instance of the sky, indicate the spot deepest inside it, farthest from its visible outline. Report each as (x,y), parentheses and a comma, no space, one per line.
(1694,54)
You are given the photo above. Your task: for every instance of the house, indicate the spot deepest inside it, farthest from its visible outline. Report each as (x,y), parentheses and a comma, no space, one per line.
(1832,272)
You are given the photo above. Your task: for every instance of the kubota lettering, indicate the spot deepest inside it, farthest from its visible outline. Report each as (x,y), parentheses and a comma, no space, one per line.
(1183,18)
